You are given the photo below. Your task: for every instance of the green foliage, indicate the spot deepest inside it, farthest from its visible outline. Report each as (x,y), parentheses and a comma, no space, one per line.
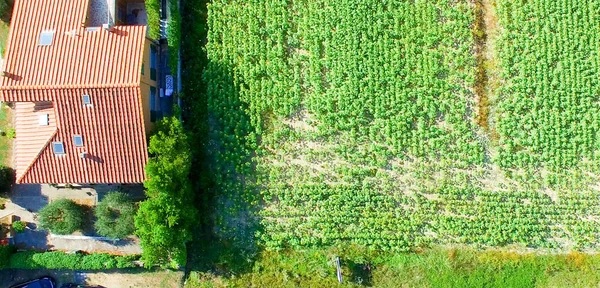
(153,14)
(5,254)
(336,122)
(174,35)
(115,214)
(169,165)
(62,217)
(460,267)
(72,261)
(164,221)
(7,179)
(19,226)
(11,133)
(548,112)
(4,9)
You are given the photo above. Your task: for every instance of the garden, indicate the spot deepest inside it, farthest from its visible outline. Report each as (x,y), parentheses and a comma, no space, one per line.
(337,122)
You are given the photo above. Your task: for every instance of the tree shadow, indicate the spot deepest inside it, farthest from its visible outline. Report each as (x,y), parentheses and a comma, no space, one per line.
(223,170)
(7,14)
(32,239)
(29,196)
(7,179)
(361,273)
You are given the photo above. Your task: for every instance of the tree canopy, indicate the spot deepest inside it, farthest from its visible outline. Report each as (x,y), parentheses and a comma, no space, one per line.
(115,214)
(62,217)
(164,221)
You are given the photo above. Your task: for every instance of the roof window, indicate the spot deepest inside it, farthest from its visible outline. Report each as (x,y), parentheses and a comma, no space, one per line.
(87,100)
(46,38)
(59,148)
(78,140)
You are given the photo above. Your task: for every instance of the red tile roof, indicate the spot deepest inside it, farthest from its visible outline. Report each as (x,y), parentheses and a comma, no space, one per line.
(84,59)
(105,65)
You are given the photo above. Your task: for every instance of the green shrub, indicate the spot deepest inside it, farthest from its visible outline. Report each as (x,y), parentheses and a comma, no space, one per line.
(61,217)
(76,261)
(7,179)
(174,35)
(153,14)
(115,215)
(19,226)
(11,133)
(5,254)
(165,220)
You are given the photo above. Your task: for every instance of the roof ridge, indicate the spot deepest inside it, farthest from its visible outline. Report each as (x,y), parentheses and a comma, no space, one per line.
(37,157)
(57,87)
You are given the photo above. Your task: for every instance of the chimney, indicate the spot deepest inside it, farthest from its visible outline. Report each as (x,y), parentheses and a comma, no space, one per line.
(107,27)
(83,155)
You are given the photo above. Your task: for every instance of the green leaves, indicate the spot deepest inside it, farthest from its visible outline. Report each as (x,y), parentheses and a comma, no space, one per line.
(165,220)
(114,215)
(62,216)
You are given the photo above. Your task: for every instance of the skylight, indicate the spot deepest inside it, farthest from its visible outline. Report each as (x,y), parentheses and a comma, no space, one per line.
(58,147)
(87,100)
(46,38)
(78,140)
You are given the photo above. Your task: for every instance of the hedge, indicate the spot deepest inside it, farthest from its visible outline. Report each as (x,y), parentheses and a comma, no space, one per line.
(153,15)
(76,261)
(5,255)
(174,35)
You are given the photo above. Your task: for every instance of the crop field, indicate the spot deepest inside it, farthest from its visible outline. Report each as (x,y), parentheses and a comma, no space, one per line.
(338,121)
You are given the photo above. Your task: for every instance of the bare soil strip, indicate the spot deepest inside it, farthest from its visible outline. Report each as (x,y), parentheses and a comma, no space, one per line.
(485,33)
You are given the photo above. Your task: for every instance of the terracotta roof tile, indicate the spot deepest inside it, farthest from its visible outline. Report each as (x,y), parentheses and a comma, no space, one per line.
(105,65)
(113,137)
(85,59)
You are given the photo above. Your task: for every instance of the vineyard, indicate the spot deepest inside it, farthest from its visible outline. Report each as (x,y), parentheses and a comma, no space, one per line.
(338,121)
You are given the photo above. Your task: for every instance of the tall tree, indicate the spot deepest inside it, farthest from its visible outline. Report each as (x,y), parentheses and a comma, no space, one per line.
(164,221)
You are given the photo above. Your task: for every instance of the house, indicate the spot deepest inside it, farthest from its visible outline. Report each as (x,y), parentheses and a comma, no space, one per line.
(82,91)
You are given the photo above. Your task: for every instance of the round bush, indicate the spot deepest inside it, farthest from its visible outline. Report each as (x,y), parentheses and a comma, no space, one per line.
(115,214)
(19,226)
(62,217)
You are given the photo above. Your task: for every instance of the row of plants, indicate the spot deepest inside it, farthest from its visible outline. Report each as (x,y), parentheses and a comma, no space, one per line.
(335,122)
(548,112)
(9,258)
(114,216)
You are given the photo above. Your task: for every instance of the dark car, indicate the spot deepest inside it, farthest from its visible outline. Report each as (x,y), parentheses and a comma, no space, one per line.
(71,285)
(44,282)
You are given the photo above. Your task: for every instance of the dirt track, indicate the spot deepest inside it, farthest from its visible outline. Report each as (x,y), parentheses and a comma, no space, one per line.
(109,279)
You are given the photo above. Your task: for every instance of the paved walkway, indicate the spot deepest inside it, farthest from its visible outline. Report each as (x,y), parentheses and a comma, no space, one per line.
(26,200)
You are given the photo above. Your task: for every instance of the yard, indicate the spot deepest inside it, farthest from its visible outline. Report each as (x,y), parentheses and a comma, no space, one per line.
(6,140)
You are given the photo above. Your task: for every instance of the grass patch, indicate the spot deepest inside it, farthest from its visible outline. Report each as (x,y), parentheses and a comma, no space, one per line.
(438,267)
(5,141)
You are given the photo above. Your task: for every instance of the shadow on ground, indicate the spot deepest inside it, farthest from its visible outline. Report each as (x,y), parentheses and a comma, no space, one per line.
(114,278)
(29,196)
